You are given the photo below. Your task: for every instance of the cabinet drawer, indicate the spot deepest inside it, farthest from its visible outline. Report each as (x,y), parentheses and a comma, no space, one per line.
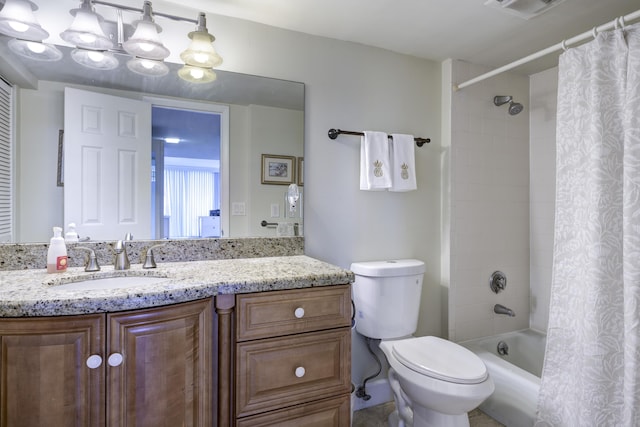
(279,372)
(279,313)
(325,413)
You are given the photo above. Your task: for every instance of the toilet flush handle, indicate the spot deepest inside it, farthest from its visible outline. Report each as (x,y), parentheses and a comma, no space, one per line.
(299,313)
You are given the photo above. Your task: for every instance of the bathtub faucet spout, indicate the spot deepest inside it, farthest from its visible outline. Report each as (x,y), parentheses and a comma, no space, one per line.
(501,309)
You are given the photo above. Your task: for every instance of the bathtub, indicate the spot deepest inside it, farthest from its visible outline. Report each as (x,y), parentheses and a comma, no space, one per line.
(516,375)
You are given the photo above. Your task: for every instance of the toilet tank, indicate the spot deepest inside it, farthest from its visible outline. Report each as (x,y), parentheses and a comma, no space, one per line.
(386,295)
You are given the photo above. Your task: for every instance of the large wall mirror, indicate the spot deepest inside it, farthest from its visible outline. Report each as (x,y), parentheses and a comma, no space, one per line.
(242,117)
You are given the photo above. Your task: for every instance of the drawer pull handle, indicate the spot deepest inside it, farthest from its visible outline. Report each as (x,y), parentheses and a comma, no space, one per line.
(94,361)
(115,359)
(299,313)
(300,371)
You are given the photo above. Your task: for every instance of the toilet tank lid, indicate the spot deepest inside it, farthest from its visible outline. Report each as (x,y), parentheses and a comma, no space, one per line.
(388,268)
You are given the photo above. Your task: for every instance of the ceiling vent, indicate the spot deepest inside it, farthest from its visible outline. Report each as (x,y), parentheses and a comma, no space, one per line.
(525,9)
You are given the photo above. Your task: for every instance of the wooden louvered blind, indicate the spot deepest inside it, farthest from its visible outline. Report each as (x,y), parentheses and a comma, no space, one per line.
(6,131)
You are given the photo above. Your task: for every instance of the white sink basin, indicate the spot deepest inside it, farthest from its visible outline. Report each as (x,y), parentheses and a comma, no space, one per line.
(109,283)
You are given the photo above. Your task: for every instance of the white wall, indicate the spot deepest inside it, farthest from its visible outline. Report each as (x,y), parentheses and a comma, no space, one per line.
(544,91)
(489,204)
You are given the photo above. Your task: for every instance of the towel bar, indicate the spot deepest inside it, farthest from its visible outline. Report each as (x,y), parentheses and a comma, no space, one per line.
(333,134)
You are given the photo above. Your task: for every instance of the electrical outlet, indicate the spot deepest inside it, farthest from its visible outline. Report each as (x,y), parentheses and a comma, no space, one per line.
(275,210)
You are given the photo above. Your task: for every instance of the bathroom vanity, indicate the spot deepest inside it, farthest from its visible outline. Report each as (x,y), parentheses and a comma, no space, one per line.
(246,342)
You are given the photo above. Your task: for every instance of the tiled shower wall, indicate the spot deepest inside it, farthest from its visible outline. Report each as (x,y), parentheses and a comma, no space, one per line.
(488,203)
(544,89)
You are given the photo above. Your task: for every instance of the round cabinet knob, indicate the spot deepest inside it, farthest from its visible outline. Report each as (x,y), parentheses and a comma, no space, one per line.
(94,361)
(299,313)
(115,359)
(300,372)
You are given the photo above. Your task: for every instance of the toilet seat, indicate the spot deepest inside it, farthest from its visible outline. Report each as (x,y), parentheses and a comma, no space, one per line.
(440,359)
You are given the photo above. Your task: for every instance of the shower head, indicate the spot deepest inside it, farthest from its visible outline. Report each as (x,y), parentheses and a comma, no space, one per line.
(514,107)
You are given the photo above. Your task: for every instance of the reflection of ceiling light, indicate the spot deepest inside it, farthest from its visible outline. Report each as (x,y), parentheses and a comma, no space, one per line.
(85,30)
(197,74)
(147,67)
(96,59)
(145,41)
(35,50)
(17,20)
(172,140)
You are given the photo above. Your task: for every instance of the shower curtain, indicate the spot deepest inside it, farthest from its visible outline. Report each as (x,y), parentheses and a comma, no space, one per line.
(591,374)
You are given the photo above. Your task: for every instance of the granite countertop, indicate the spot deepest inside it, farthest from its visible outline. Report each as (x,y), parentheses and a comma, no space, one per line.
(28,293)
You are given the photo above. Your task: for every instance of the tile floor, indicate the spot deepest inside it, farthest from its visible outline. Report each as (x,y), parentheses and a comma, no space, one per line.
(376,416)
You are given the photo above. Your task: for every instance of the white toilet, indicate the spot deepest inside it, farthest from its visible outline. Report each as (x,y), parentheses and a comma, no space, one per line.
(435,382)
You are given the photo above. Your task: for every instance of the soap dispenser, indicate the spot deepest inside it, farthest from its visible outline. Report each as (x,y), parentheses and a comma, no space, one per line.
(57,253)
(71,235)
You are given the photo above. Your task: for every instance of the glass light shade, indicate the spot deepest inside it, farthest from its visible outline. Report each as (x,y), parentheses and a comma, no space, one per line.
(85,30)
(35,50)
(96,59)
(201,52)
(147,67)
(145,42)
(197,74)
(17,20)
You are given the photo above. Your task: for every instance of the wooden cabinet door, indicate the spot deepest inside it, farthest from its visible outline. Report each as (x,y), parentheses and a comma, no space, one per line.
(165,377)
(44,377)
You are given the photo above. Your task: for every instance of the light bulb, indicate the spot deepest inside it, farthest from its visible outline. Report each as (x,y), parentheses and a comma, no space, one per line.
(36,47)
(147,47)
(87,37)
(95,56)
(196,73)
(200,57)
(18,26)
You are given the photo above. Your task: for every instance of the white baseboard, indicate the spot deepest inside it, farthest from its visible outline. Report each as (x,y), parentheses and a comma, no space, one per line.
(380,392)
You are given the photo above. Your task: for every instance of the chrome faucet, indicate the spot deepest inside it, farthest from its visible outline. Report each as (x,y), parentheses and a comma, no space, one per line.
(122,260)
(92,260)
(501,309)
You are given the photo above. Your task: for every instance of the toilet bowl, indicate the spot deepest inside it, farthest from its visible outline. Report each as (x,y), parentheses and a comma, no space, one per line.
(435,382)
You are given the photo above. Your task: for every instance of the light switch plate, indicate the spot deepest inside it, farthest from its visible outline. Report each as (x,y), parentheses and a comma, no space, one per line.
(238,209)
(275,210)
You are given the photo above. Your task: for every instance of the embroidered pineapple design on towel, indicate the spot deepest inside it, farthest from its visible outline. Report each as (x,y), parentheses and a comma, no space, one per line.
(377,170)
(405,171)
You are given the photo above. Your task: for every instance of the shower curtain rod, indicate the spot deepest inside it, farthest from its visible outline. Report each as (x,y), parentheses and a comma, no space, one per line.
(562,45)
(333,134)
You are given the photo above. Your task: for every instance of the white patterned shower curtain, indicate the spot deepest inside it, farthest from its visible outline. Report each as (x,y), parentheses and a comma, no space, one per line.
(591,375)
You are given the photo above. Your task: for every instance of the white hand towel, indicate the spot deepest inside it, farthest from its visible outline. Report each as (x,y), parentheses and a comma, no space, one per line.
(375,161)
(403,163)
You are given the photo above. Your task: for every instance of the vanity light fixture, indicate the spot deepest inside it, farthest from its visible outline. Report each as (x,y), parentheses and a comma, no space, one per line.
(17,20)
(85,31)
(200,57)
(35,50)
(147,67)
(94,49)
(145,41)
(96,59)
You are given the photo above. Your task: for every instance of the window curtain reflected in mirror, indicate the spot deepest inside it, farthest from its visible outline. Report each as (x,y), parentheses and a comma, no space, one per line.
(189,193)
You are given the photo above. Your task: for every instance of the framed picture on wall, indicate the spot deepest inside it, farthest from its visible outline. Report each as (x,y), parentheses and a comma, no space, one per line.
(278,169)
(300,171)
